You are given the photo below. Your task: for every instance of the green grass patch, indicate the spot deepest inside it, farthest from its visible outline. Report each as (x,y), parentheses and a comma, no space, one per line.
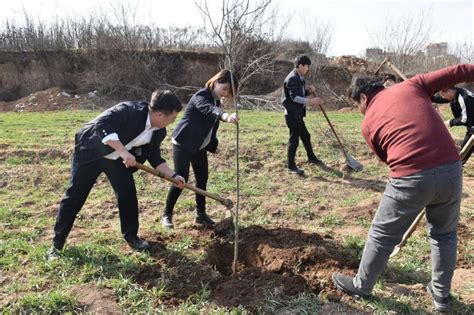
(34,172)
(46,302)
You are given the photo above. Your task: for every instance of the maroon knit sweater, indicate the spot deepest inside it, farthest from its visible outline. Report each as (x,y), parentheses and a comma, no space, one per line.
(404,130)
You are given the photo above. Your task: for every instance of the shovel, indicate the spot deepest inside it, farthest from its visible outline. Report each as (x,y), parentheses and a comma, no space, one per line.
(408,233)
(224,201)
(397,71)
(350,161)
(467,147)
(412,227)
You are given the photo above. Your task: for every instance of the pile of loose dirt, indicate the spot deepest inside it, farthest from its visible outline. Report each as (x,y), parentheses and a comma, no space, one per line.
(276,261)
(273,261)
(50,99)
(352,63)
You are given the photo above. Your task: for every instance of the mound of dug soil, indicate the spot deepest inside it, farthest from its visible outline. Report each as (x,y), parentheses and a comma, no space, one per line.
(275,261)
(49,99)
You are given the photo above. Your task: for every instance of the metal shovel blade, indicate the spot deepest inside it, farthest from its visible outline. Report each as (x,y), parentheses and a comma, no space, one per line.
(395,250)
(353,163)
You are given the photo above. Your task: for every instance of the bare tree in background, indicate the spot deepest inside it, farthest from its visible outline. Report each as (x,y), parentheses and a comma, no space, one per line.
(465,51)
(247,32)
(318,35)
(403,38)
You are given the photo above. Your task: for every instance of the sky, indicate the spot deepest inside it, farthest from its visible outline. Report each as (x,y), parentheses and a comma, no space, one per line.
(351,20)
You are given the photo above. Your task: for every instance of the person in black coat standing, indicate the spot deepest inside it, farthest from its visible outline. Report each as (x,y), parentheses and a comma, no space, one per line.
(295,99)
(112,143)
(194,135)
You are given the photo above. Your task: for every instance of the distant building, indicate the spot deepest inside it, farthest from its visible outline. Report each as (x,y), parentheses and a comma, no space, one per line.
(374,53)
(419,54)
(437,49)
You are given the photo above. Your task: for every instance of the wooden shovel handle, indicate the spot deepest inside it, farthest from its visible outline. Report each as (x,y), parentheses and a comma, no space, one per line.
(467,147)
(332,127)
(224,201)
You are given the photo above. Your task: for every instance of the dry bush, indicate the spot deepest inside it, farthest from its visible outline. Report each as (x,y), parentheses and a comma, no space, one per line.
(402,39)
(99,31)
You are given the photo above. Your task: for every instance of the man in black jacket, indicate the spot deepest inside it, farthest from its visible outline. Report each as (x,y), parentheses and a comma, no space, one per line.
(295,99)
(112,143)
(461,102)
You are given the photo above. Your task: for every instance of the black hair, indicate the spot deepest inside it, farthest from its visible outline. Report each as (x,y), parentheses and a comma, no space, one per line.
(302,60)
(369,85)
(165,101)
(223,76)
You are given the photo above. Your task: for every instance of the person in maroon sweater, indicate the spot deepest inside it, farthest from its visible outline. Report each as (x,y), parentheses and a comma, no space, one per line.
(403,129)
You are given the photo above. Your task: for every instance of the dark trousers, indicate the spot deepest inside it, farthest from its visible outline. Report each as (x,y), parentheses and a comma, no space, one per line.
(469,133)
(82,179)
(182,159)
(298,131)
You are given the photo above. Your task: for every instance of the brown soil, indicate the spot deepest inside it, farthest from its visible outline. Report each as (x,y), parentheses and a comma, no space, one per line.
(250,286)
(95,300)
(464,235)
(273,261)
(280,261)
(50,99)
(277,261)
(462,284)
(364,210)
(36,156)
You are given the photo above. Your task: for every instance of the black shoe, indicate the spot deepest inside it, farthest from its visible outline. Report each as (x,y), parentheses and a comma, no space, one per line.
(167,221)
(345,284)
(203,218)
(441,304)
(295,170)
(53,253)
(315,161)
(138,244)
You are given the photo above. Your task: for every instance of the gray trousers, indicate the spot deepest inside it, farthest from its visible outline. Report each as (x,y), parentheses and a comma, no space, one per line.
(439,190)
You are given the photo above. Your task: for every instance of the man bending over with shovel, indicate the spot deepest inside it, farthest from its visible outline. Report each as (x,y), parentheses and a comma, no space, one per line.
(404,130)
(112,143)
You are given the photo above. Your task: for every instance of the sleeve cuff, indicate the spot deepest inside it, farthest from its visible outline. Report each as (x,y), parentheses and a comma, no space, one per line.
(224,117)
(110,137)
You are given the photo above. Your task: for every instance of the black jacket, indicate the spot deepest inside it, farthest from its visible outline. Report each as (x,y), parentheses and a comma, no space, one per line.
(127,120)
(201,115)
(462,107)
(293,86)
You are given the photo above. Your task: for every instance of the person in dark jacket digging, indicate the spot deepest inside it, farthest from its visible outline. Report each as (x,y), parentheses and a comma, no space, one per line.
(194,136)
(404,130)
(112,143)
(295,98)
(461,102)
